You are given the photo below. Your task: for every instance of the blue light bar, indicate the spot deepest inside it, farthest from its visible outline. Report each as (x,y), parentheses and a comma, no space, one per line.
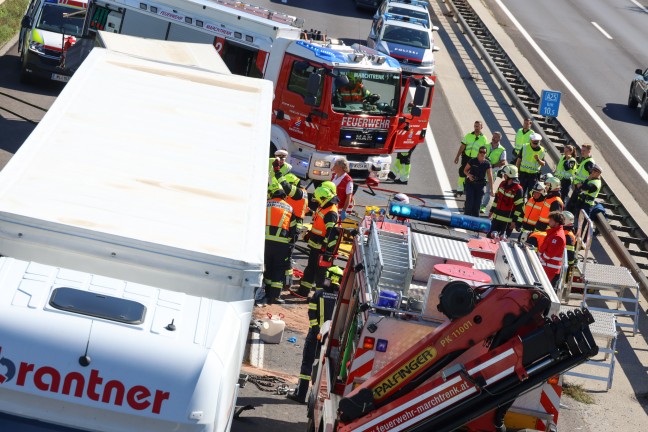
(402,18)
(323,53)
(410,2)
(441,217)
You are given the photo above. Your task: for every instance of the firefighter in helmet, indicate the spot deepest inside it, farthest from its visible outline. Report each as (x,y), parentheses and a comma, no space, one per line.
(279,237)
(322,240)
(320,310)
(353,92)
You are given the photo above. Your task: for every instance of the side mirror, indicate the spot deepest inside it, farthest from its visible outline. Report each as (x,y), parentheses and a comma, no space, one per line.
(638,72)
(419,96)
(435,28)
(26,22)
(435,48)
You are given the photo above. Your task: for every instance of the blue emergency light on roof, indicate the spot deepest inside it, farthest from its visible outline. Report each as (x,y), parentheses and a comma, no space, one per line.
(323,53)
(441,217)
(410,2)
(402,18)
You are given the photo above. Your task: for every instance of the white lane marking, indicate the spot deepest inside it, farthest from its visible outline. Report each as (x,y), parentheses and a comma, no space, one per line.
(599,28)
(639,5)
(440,171)
(617,143)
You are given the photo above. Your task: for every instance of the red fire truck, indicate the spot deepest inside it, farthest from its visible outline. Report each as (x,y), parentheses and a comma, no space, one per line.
(330,98)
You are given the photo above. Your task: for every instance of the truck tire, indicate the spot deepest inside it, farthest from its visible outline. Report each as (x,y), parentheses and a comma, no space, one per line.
(643,113)
(632,100)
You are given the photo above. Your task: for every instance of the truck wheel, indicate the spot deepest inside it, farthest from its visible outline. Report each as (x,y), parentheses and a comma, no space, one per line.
(632,101)
(643,113)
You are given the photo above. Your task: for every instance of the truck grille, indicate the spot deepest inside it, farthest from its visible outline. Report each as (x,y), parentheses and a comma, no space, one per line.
(363,138)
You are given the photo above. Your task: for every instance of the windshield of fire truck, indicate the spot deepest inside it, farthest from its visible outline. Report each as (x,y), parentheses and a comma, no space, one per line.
(368,92)
(61,19)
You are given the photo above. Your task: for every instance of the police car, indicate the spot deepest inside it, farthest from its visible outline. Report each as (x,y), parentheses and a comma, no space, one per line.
(406,39)
(408,8)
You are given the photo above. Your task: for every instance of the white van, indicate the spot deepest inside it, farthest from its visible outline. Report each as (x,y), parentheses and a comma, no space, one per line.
(49,27)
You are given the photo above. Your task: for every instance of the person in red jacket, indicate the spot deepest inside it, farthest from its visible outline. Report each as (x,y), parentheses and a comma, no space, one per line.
(553,247)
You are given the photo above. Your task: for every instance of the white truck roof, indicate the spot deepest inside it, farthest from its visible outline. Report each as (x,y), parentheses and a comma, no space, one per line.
(149,172)
(137,377)
(199,55)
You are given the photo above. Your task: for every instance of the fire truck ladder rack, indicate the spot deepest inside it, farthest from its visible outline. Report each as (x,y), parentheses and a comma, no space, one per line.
(624,235)
(389,265)
(275,16)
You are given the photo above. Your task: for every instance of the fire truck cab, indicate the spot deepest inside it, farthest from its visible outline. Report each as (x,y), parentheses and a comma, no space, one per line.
(315,116)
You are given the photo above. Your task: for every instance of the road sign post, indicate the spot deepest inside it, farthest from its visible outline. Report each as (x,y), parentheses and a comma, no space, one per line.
(549,103)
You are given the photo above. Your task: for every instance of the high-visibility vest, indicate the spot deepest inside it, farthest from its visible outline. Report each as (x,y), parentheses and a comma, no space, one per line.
(589,197)
(570,246)
(472,143)
(522,138)
(561,172)
(532,213)
(299,205)
(507,204)
(353,94)
(528,163)
(320,307)
(494,154)
(536,239)
(546,208)
(581,173)
(278,216)
(318,230)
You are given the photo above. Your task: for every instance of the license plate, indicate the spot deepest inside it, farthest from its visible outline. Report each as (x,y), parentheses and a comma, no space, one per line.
(61,78)
(358,165)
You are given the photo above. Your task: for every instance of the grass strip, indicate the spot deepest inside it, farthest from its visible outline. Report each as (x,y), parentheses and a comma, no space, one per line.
(11,13)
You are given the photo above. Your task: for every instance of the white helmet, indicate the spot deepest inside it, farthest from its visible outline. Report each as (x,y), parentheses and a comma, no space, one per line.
(553,184)
(535,137)
(569,218)
(510,171)
(401,197)
(540,188)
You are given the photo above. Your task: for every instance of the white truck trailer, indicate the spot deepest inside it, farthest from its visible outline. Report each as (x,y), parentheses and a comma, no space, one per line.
(131,245)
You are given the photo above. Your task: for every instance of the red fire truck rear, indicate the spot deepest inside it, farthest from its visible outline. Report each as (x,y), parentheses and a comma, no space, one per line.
(438,330)
(315,117)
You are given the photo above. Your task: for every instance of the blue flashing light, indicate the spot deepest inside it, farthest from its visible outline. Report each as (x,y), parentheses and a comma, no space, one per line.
(410,2)
(441,217)
(381,345)
(392,62)
(402,18)
(323,53)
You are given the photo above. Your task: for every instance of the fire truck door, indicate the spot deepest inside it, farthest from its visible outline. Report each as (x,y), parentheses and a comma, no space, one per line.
(415,108)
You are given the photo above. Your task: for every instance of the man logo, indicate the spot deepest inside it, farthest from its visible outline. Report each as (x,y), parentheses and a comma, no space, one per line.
(10,369)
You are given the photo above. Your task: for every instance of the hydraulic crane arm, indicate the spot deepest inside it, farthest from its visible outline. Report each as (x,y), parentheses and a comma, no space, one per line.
(475,319)
(471,394)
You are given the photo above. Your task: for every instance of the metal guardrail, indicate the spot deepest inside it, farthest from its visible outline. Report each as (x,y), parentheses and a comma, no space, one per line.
(631,242)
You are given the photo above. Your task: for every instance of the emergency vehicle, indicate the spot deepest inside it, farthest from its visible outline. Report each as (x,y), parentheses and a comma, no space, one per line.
(48,28)
(439,330)
(128,267)
(307,70)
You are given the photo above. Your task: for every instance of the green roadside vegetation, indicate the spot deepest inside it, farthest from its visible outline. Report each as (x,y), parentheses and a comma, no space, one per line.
(11,12)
